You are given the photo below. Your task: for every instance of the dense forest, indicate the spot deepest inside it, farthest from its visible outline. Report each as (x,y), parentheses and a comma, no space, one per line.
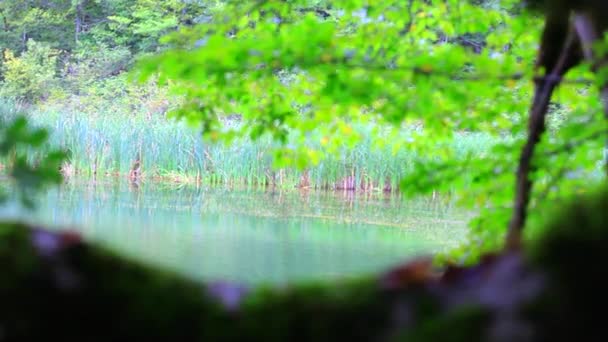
(496,106)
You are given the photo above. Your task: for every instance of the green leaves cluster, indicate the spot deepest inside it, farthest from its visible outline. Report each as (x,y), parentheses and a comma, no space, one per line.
(30,76)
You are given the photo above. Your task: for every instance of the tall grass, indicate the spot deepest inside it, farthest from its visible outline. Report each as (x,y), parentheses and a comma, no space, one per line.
(109,144)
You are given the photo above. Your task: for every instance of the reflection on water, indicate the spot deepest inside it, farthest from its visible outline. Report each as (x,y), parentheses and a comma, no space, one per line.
(253,236)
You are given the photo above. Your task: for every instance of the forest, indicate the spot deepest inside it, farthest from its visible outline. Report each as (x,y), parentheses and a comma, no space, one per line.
(303,169)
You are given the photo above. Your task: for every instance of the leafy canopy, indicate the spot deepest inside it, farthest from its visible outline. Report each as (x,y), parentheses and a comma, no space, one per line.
(293,68)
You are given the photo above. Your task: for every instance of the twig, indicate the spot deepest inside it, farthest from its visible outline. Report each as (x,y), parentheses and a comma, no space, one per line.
(556,177)
(569,146)
(418,70)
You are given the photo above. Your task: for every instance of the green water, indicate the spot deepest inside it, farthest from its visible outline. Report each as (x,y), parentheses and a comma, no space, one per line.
(253,236)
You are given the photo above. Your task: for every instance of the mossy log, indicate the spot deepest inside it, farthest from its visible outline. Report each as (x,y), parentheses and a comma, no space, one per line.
(55,286)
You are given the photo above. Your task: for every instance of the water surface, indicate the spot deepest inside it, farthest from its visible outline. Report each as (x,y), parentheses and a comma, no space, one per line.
(252,236)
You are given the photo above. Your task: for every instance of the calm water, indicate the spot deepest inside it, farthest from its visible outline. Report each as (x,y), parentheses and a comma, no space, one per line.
(253,236)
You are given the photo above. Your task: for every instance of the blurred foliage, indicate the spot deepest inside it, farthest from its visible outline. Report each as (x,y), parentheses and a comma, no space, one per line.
(30,164)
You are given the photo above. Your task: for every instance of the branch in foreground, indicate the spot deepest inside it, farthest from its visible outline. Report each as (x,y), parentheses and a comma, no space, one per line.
(536,125)
(585,26)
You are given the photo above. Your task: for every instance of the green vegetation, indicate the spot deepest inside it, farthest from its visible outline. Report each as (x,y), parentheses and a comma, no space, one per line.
(109,144)
(29,169)
(292,84)
(107,123)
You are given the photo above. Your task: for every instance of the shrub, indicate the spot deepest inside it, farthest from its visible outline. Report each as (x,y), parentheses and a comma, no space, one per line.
(29,77)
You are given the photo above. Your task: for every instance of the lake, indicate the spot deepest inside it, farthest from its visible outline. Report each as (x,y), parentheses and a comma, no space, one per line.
(252,236)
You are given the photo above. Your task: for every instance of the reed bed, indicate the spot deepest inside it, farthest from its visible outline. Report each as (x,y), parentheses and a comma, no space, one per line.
(114,145)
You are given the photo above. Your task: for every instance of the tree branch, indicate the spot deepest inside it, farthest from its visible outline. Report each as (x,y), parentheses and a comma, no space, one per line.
(536,127)
(408,26)
(588,35)
(571,145)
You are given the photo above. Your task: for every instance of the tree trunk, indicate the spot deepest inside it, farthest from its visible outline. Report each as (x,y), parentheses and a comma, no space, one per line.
(78,21)
(7,27)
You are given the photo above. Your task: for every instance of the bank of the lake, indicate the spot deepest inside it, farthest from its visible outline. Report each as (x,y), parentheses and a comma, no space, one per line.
(253,236)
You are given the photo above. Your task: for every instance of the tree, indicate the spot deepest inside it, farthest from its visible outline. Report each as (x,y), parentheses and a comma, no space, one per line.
(564,44)
(38,20)
(390,63)
(141,23)
(29,76)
